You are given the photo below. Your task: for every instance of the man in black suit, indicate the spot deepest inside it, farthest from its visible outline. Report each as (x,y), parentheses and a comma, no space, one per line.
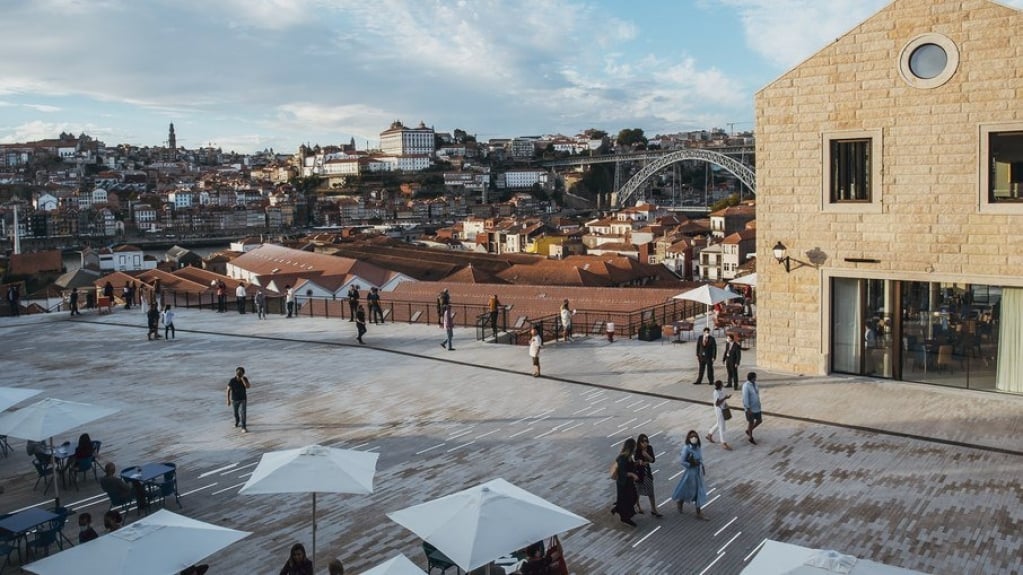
(706,351)
(731,358)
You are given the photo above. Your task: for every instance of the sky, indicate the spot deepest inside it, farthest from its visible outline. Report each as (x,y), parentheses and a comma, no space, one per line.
(247,75)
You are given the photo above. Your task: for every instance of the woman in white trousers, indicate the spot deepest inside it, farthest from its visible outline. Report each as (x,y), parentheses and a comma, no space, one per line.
(719,425)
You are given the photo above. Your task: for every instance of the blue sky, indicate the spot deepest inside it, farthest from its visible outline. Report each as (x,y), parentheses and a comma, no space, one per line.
(251,74)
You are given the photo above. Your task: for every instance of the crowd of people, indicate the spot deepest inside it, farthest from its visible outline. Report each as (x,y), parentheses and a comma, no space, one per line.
(632,473)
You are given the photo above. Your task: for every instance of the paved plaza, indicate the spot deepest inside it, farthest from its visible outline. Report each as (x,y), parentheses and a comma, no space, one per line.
(922,477)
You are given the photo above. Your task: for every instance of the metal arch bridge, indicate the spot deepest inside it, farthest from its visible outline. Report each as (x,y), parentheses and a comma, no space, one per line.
(741,171)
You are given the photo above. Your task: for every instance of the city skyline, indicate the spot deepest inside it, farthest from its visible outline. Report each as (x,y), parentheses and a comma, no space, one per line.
(245,76)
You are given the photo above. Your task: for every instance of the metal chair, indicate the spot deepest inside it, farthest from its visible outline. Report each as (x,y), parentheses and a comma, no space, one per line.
(82,467)
(8,545)
(168,486)
(44,472)
(44,538)
(96,445)
(437,560)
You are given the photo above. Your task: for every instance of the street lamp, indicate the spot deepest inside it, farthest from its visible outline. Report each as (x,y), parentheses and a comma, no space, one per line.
(781,254)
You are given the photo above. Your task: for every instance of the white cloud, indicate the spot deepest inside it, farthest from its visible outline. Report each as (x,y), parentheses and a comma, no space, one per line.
(38,130)
(42,108)
(786,32)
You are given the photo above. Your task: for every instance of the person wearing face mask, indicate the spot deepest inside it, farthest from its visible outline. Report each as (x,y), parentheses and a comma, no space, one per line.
(691,487)
(85,531)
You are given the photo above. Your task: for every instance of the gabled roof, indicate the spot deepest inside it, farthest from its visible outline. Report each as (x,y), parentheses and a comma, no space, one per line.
(474,275)
(740,236)
(273,259)
(77,279)
(36,263)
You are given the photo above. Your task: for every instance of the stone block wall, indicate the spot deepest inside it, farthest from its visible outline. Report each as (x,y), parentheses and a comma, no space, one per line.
(929,226)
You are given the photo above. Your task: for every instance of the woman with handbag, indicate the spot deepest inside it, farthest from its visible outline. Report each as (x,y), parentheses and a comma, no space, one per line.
(691,487)
(624,473)
(721,414)
(645,485)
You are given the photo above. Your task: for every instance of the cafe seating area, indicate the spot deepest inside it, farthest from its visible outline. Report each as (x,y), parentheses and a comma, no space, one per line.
(34,532)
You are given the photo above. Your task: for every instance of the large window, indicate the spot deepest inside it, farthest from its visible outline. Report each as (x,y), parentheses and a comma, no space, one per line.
(1001,168)
(956,334)
(1005,167)
(852,171)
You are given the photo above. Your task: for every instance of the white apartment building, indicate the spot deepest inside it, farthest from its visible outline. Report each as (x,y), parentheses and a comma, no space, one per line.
(399,140)
(522,178)
(181,198)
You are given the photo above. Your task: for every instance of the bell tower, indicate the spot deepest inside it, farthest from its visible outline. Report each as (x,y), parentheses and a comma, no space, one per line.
(172,142)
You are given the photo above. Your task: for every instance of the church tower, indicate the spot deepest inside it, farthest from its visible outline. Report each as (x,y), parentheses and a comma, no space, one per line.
(172,142)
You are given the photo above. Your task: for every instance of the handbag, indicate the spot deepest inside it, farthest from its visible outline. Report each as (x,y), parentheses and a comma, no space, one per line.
(726,413)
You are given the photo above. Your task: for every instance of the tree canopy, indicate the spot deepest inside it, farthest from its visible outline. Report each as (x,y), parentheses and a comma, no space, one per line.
(631,137)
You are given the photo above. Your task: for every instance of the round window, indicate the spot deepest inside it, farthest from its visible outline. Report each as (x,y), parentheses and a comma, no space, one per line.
(928,61)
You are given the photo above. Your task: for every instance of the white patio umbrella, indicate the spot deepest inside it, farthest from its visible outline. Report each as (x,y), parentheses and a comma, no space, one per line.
(45,418)
(399,565)
(477,525)
(14,395)
(163,543)
(777,558)
(750,280)
(707,295)
(313,469)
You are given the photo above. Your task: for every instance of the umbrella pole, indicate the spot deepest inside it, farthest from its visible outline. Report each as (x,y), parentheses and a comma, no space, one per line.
(56,487)
(314,531)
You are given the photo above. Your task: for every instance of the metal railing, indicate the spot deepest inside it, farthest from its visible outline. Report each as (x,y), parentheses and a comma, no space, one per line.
(589,322)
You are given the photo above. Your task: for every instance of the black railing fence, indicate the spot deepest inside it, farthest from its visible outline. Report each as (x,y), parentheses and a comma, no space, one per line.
(585,322)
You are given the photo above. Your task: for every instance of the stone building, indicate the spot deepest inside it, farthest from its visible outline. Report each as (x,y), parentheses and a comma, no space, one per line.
(889,166)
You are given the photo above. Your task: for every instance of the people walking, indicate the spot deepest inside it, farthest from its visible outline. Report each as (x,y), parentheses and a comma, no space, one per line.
(751,405)
(13,297)
(376,313)
(494,305)
(126,295)
(535,345)
(443,299)
(221,297)
(353,301)
(168,323)
(73,301)
(731,358)
(289,300)
(706,351)
(720,405)
(644,456)
(239,294)
(691,487)
(566,320)
(237,397)
(260,300)
(153,321)
(360,323)
(447,322)
(624,473)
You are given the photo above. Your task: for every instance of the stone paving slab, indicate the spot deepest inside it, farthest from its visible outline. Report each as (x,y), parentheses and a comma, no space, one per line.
(445,420)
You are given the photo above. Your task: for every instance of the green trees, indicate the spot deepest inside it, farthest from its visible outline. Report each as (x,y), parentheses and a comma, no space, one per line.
(631,137)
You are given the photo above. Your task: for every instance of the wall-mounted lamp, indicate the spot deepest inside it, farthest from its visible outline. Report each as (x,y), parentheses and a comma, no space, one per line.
(781,254)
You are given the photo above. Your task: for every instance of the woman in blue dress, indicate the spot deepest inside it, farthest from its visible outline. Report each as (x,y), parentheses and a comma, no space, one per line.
(691,487)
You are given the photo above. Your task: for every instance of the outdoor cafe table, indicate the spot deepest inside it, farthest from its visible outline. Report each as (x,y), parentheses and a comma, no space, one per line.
(61,455)
(146,473)
(21,523)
